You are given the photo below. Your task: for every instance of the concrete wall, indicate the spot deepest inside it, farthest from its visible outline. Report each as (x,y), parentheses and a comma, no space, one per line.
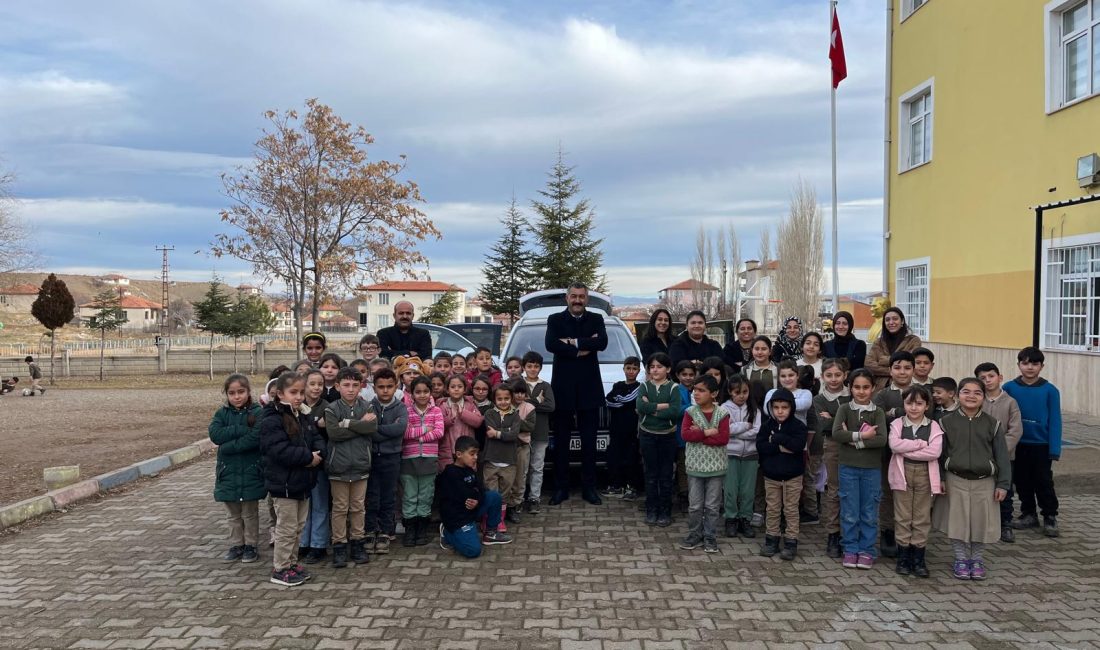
(177,361)
(1077,376)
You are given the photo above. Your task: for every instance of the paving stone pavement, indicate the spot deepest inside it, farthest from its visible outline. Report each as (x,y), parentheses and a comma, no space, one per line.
(142,570)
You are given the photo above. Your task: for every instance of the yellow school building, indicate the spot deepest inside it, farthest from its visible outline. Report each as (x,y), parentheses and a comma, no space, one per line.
(992,223)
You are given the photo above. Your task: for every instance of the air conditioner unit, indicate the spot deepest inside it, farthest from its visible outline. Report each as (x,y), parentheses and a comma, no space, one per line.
(1088,170)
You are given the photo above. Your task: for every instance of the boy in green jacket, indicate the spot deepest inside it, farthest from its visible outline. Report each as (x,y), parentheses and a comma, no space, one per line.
(659,411)
(351,425)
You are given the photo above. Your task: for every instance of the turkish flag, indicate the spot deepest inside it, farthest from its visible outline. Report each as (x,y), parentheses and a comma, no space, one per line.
(836,53)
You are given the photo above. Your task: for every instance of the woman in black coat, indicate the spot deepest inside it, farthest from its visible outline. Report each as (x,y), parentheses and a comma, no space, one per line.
(844,345)
(693,344)
(659,334)
(738,352)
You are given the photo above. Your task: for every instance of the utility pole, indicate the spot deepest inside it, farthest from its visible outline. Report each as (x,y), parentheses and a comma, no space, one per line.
(164,291)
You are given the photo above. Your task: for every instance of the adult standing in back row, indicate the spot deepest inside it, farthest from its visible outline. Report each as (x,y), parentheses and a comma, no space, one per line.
(402,338)
(844,344)
(895,337)
(575,337)
(693,344)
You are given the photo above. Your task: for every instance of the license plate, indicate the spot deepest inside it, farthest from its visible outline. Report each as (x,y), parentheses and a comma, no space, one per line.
(601,443)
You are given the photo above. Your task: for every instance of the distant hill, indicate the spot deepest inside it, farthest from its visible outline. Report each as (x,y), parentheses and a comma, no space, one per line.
(624,301)
(85,287)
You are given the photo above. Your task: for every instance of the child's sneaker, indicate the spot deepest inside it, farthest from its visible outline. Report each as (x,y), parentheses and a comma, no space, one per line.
(710,545)
(301,570)
(287,578)
(691,542)
(249,554)
(381,544)
(493,537)
(865,561)
(1025,522)
(650,519)
(664,521)
(977,570)
(630,494)
(732,526)
(850,561)
(233,554)
(612,492)
(443,542)
(512,516)
(534,506)
(961,570)
(1050,527)
(757,520)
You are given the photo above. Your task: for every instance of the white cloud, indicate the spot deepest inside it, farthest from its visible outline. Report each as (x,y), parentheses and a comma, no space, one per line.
(131,160)
(88,212)
(52,104)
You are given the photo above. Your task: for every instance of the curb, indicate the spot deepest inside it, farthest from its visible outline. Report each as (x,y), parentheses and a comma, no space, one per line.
(60,499)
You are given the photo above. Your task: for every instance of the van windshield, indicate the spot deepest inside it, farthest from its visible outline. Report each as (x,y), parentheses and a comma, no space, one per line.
(527,338)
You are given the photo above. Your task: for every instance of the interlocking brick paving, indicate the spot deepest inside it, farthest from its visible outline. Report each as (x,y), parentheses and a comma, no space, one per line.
(142,570)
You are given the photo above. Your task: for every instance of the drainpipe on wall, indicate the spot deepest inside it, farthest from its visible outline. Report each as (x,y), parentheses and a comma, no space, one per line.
(886,149)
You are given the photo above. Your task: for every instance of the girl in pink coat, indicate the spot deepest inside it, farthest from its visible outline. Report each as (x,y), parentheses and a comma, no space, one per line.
(419,460)
(914,476)
(461,417)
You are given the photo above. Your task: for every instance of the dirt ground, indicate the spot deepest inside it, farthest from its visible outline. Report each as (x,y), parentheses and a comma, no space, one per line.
(100,427)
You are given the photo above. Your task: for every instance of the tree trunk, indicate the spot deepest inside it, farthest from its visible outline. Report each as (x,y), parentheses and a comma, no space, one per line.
(102,345)
(251,355)
(234,354)
(53,336)
(316,299)
(211,356)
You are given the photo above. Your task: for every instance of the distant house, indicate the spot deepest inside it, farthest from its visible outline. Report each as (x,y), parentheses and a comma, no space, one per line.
(859,308)
(758,286)
(114,280)
(17,299)
(284,316)
(690,294)
(248,290)
(140,313)
(376,309)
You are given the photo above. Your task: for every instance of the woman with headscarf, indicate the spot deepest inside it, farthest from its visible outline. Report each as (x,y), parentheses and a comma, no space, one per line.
(693,344)
(788,345)
(844,344)
(658,336)
(895,337)
(738,352)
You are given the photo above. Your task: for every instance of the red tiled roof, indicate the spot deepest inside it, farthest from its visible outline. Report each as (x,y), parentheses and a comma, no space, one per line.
(131,302)
(691,285)
(328,306)
(413,285)
(20,290)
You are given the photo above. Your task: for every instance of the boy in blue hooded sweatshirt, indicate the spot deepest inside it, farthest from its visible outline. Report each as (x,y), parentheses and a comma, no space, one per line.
(1041,411)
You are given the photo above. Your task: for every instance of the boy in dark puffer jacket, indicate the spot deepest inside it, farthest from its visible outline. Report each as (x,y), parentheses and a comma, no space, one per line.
(463,501)
(780,445)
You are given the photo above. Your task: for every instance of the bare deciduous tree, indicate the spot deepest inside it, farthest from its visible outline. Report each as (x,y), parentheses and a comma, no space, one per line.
(732,254)
(703,273)
(17,251)
(800,250)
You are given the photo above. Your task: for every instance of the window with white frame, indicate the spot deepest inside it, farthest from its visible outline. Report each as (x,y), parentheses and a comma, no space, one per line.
(382,320)
(383,299)
(436,297)
(911,287)
(1073,52)
(915,128)
(909,6)
(1072,297)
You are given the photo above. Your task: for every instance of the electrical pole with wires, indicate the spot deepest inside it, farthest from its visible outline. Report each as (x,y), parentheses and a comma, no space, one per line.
(164,330)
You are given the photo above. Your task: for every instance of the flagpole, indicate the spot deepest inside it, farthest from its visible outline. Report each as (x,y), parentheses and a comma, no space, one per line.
(832,106)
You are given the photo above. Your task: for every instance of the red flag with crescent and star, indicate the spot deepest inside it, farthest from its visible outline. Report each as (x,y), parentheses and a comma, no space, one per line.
(836,53)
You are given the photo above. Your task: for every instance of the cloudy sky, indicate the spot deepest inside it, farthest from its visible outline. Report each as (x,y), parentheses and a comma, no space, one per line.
(118,118)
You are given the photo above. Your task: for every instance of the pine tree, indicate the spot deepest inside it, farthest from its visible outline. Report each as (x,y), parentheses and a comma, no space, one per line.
(109,316)
(442,311)
(507,268)
(53,308)
(566,251)
(213,314)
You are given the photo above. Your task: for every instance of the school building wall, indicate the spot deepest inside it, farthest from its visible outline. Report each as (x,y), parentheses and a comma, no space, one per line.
(996,154)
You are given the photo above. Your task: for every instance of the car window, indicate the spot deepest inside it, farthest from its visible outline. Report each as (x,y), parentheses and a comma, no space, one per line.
(447,340)
(527,338)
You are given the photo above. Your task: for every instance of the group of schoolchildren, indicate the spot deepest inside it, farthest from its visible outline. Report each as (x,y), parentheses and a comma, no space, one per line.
(767,441)
(332,446)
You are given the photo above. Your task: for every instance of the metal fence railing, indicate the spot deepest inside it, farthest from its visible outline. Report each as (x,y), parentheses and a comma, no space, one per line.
(110,345)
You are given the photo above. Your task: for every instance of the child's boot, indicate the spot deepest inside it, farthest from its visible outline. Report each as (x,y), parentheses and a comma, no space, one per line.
(409,539)
(359,552)
(339,556)
(771,545)
(1050,526)
(889,543)
(832,545)
(903,566)
(790,549)
(423,524)
(919,568)
(732,526)
(746,530)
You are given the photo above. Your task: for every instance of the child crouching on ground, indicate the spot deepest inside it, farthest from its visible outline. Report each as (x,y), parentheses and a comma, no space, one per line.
(914,478)
(975,458)
(464,501)
(706,430)
(239,478)
(351,426)
(780,445)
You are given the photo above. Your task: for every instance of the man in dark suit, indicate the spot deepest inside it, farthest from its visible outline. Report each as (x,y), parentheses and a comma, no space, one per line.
(402,338)
(574,337)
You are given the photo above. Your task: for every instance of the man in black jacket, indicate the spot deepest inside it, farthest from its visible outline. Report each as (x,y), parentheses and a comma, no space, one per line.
(402,338)
(574,337)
